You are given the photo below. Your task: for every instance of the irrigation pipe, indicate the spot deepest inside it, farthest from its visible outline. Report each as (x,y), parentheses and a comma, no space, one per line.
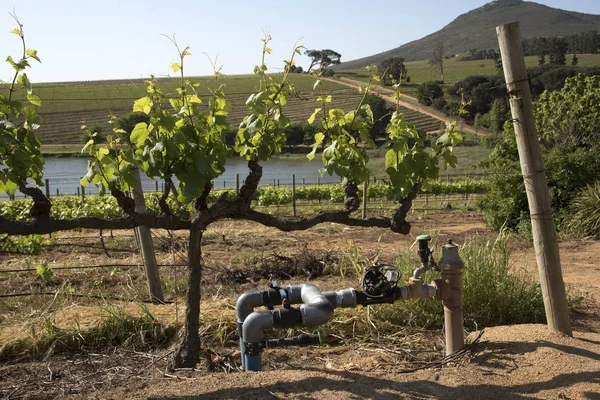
(90,296)
(90,267)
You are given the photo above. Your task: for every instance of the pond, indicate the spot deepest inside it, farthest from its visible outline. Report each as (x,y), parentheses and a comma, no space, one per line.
(64,174)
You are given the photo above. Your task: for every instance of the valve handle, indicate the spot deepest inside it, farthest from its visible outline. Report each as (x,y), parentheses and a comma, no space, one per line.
(424,251)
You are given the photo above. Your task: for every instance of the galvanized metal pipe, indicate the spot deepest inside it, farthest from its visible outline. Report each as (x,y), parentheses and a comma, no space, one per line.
(451,267)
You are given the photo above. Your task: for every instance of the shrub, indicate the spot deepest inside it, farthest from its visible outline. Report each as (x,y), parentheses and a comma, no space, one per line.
(567,123)
(429,91)
(493,293)
(439,103)
(585,213)
(381,115)
(479,91)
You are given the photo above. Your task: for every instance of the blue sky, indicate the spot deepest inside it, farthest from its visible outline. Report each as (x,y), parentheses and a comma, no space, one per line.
(89,40)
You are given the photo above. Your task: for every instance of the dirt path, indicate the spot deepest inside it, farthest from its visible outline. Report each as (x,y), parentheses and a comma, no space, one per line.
(411,105)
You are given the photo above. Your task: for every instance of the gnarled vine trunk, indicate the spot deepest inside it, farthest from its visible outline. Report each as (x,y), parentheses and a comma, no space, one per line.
(187,354)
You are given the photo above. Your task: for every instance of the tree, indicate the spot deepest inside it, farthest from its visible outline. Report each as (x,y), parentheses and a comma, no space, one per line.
(93,132)
(558,51)
(124,125)
(567,124)
(393,71)
(427,92)
(479,92)
(323,58)
(381,115)
(187,141)
(437,58)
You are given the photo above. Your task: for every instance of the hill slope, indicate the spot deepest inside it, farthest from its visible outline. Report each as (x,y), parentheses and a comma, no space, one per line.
(477,29)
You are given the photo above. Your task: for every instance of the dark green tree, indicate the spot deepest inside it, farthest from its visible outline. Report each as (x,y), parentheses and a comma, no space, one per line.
(567,125)
(427,92)
(93,132)
(393,71)
(124,125)
(381,115)
(323,58)
(558,51)
(480,91)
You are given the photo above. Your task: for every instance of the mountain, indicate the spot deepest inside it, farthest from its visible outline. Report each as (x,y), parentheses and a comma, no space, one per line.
(476,29)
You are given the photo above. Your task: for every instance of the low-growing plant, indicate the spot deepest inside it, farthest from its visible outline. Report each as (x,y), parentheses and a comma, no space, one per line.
(585,213)
(116,328)
(44,272)
(31,244)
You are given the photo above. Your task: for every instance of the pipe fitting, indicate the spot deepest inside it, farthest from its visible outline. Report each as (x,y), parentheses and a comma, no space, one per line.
(342,298)
(255,324)
(418,290)
(451,267)
(316,309)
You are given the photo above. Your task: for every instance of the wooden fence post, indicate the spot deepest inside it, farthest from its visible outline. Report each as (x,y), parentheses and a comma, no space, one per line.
(319,185)
(145,242)
(294,195)
(47,182)
(237,184)
(532,167)
(364,201)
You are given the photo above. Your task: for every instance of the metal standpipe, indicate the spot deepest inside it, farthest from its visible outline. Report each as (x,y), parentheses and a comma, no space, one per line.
(379,287)
(451,266)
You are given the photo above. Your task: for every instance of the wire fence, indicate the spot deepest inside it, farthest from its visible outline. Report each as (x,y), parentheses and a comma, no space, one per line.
(236,183)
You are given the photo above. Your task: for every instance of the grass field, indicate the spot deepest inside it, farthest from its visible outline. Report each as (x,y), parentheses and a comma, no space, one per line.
(454,71)
(108,95)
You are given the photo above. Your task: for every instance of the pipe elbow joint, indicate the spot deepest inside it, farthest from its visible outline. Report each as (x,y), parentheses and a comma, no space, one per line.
(246,304)
(254,325)
(316,314)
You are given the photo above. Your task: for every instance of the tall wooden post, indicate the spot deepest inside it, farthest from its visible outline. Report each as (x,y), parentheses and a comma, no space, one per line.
(145,242)
(364,201)
(294,194)
(532,167)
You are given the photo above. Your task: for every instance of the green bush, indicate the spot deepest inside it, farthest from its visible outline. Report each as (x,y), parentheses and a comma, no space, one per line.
(584,213)
(567,124)
(427,92)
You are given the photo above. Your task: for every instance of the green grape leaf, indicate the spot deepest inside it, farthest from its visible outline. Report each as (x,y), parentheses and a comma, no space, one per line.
(33,54)
(34,99)
(143,105)
(318,140)
(391,160)
(311,119)
(139,134)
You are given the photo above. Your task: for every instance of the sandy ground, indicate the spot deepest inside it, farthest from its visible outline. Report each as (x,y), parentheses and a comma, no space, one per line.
(513,362)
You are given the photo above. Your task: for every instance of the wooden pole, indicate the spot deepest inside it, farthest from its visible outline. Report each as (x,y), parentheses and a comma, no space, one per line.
(47,182)
(145,238)
(364,201)
(294,195)
(532,167)
(237,184)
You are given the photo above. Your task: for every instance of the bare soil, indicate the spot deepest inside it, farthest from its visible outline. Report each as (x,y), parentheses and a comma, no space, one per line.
(524,361)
